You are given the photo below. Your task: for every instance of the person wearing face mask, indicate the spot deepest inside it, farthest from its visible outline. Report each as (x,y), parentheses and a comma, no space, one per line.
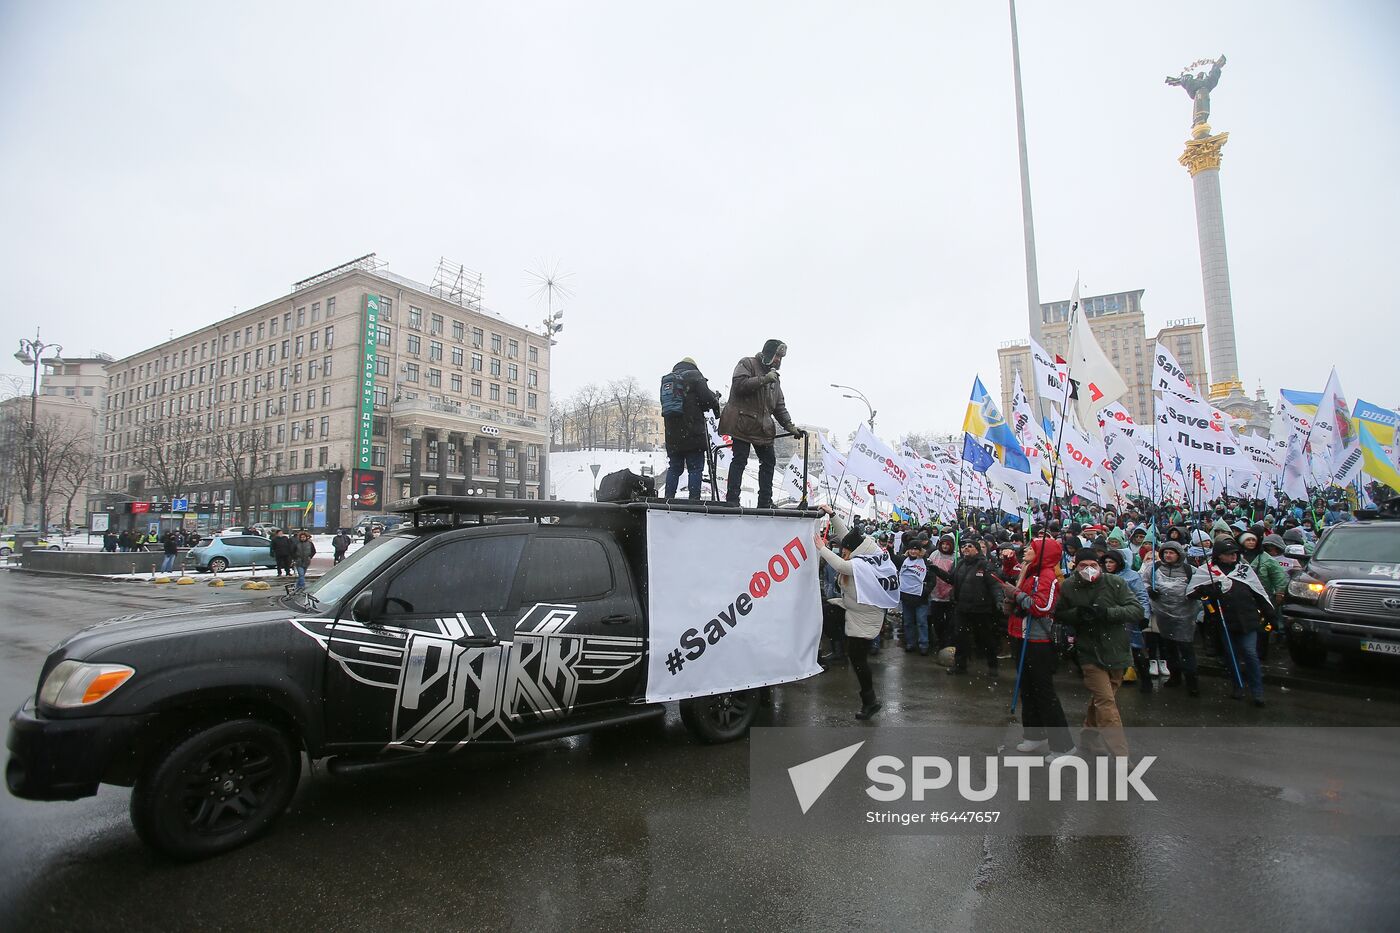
(1100,606)
(1169,578)
(755,400)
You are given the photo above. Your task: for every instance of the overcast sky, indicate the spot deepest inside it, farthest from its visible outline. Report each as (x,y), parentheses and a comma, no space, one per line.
(841,176)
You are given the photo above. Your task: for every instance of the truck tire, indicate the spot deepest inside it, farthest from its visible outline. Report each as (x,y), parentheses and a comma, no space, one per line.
(216,789)
(1306,651)
(721,718)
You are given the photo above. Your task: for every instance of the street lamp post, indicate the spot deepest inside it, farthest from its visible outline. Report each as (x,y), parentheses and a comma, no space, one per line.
(859,395)
(31,352)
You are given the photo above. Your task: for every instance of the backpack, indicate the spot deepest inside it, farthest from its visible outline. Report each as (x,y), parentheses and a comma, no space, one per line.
(672,394)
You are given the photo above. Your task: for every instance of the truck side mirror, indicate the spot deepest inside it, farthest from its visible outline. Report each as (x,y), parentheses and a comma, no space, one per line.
(362,608)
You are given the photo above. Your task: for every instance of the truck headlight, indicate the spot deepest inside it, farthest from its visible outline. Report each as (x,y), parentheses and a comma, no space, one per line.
(75,683)
(1306,590)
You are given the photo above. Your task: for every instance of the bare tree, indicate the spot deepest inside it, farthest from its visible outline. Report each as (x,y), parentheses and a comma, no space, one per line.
(16,477)
(166,452)
(588,403)
(242,457)
(557,419)
(54,444)
(628,401)
(75,476)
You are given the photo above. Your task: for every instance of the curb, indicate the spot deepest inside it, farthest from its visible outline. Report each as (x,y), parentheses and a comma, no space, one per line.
(1212,668)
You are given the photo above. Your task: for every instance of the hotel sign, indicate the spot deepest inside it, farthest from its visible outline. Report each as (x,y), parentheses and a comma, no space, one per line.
(367,381)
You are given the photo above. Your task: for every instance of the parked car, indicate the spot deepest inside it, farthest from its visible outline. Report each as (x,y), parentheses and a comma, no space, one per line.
(1347,596)
(502,630)
(8,545)
(227,551)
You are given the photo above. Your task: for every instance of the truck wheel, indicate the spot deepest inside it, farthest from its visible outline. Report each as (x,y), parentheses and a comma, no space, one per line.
(1307,651)
(721,718)
(218,565)
(216,789)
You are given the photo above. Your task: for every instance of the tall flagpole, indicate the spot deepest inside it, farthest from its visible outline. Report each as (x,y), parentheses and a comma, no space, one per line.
(1027,220)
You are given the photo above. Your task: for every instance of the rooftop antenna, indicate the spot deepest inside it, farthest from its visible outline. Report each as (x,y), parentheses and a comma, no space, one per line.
(548,284)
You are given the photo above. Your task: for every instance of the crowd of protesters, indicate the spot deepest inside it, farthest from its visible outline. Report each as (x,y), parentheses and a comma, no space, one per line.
(1129,593)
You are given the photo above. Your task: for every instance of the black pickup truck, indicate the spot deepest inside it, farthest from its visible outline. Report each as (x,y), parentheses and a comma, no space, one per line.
(485,621)
(1347,596)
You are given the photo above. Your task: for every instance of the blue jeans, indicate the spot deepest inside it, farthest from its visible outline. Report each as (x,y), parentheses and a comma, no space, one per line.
(301,577)
(692,463)
(915,620)
(168,564)
(767,460)
(1247,656)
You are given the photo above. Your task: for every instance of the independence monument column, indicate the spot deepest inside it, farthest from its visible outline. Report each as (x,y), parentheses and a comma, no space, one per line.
(1202,160)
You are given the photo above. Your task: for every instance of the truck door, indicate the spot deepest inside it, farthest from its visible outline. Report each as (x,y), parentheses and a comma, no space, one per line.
(579,635)
(431,669)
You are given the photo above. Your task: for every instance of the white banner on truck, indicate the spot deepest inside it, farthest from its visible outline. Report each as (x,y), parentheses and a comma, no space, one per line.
(733,603)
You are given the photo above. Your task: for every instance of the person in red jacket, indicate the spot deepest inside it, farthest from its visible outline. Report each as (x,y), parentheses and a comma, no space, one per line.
(1032,603)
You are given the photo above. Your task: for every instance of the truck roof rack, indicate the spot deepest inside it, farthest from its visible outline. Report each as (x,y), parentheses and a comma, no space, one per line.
(453,506)
(420,506)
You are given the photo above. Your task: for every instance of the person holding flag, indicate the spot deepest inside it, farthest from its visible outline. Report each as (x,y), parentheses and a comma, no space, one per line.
(865,605)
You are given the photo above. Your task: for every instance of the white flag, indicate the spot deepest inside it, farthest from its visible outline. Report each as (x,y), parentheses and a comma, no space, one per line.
(1095,382)
(1295,470)
(877,581)
(1333,425)
(874,461)
(1168,376)
(1049,374)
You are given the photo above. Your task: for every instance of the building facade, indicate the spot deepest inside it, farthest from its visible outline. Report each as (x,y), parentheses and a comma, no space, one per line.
(357,388)
(71,396)
(1120,327)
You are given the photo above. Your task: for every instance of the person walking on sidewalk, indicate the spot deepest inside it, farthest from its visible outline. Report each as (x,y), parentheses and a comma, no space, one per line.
(302,551)
(340,544)
(1100,606)
(862,622)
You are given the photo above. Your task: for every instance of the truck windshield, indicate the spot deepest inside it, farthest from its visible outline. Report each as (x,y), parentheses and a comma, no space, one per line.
(1377,544)
(345,576)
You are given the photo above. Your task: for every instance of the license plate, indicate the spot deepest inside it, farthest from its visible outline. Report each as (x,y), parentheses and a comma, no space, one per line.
(1381,647)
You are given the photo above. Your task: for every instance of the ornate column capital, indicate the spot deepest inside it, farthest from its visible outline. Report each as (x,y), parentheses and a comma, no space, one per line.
(1203,153)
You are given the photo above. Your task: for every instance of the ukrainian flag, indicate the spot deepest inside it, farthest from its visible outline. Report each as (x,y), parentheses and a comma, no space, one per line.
(1373,459)
(1306,402)
(1381,421)
(983,420)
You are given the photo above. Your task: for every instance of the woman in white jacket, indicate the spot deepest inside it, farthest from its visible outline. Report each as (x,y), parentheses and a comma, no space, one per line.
(862,622)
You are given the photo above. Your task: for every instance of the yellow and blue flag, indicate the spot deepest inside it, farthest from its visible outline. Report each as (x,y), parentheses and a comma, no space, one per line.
(1374,462)
(1381,421)
(983,420)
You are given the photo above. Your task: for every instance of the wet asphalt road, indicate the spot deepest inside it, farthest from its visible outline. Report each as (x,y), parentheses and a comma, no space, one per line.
(644,829)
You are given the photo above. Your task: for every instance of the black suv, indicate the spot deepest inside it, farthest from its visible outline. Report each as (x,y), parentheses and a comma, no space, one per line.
(486,621)
(1347,597)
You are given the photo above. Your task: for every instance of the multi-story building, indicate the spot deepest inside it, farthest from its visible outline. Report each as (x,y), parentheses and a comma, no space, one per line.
(1120,327)
(356,388)
(71,395)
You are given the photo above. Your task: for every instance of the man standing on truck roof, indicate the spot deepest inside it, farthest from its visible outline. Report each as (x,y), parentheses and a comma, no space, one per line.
(755,399)
(685,397)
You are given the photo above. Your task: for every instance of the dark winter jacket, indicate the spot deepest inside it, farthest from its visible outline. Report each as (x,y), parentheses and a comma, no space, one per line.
(1100,613)
(686,432)
(283,546)
(753,404)
(303,551)
(975,587)
(341,543)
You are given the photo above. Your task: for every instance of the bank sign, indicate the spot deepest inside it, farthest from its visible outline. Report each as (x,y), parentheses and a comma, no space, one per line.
(367,381)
